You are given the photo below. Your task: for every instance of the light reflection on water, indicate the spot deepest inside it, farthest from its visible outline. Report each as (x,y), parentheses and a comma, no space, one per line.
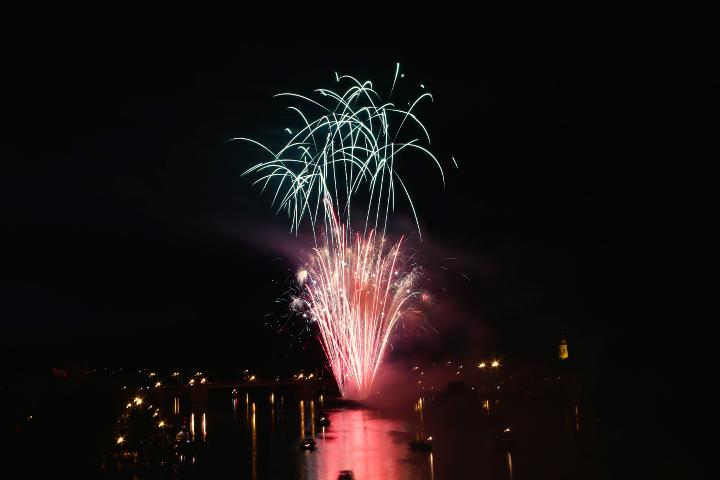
(302,418)
(204,427)
(509,462)
(369,445)
(468,436)
(254,445)
(357,439)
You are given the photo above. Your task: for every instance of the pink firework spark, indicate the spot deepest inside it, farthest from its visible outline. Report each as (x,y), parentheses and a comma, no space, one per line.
(356,294)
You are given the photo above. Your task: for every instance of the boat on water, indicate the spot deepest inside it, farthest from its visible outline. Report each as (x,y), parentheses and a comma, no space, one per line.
(421,445)
(307,444)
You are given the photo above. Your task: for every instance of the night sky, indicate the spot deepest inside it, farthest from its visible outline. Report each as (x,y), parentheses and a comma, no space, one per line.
(584,199)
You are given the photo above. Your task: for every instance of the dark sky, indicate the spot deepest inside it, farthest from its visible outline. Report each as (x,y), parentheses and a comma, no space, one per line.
(584,198)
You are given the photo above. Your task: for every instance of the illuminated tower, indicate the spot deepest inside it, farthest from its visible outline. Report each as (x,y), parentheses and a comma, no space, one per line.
(563,351)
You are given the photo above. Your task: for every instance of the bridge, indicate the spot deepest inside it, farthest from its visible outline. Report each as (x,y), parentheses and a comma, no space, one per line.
(198,393)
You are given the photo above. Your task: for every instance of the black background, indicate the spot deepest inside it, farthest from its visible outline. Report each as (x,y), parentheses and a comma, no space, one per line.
(585,198)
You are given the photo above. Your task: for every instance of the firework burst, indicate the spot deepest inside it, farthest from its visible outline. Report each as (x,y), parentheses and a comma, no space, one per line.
(356,290)
(355,287)
(348,143)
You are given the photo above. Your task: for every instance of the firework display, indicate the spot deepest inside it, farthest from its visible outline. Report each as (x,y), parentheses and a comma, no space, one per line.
(355,293)
(339,171)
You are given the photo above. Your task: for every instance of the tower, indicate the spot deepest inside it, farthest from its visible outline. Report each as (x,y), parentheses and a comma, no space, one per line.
(563,350)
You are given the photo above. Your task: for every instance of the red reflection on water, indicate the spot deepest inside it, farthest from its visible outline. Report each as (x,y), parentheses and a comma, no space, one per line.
(358,440)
